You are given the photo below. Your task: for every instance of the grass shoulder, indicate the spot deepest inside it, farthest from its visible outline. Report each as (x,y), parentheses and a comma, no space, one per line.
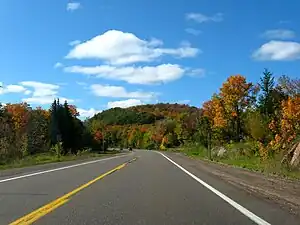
(239,159)
(45,158)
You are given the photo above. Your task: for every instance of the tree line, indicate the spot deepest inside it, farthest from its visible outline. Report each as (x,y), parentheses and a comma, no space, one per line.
(25,131)
(265,116)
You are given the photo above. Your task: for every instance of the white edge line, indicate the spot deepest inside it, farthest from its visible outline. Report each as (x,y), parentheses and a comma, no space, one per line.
(57,169)
(240,208)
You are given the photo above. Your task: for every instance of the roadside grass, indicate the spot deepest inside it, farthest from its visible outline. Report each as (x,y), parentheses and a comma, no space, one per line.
(250,162)
(44,158)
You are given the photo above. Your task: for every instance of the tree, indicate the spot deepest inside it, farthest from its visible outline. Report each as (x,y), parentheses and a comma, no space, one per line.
(38,131)
(290,87)
(205,133)
(237,95)
(266,99)
(290,122)
(20,115)
(54,130)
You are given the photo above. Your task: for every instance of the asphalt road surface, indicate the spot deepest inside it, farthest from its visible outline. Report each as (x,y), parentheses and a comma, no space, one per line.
(143,187)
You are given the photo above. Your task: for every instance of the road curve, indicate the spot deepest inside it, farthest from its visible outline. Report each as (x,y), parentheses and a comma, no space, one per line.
(144,187)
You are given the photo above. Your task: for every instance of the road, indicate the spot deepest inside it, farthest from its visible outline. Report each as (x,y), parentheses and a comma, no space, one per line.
(143,187)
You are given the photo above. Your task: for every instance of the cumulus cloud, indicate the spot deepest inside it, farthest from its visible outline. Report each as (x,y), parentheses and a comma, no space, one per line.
(84,113)
(201,18)
(41,89)
(43,93)
(12,88)
(125,103)
(120,48)
(134,75)
(72,6)
(279,34)
(193,31)
(119,92)
(278,51)
(27,92)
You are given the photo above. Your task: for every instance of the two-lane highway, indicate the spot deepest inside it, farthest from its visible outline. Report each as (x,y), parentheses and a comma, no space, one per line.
(144,187)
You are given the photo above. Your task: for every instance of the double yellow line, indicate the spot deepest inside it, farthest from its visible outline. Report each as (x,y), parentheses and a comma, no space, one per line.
(44,210)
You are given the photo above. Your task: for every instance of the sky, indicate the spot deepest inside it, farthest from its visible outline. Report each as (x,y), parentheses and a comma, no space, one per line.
(100,54)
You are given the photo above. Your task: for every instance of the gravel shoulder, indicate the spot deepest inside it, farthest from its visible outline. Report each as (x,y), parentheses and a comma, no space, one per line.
(284,192)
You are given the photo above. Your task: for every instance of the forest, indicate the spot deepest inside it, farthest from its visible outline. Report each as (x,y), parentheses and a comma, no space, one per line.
(247,120)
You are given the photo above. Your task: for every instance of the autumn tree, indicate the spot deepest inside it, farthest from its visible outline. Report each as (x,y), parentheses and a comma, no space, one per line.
(38,131)
(290,122)
(237,95)
(20,115)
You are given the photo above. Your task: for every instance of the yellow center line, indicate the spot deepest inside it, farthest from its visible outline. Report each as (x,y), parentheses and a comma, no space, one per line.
(44,210)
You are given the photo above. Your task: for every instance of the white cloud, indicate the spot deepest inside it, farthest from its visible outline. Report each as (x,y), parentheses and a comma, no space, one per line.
(199,72)
(73,43)
(15,88)
(43,100)
(193,31)
(43,93)
(39,100)
(71,6)
(279,34)
(125,103)
(12,88)
(41,89)
(84,113)
(27,92)
(278,51)
(117,48)
(135,75)
(119,92)
(58,65)
(201,18)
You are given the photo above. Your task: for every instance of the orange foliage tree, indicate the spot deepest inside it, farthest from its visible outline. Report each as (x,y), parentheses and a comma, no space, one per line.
(237,94)
(290,122)
(19,114)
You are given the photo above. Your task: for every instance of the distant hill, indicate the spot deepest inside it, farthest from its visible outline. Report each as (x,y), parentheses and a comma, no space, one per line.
(166,110)
(120,116)
(143,114)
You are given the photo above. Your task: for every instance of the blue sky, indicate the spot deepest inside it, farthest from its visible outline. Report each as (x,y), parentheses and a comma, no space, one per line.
(105,53)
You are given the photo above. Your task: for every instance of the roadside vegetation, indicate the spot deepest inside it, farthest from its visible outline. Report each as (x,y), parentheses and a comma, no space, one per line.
(254,126)
(35,136)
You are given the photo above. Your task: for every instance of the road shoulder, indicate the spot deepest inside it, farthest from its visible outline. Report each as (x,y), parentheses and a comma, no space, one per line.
(283,192)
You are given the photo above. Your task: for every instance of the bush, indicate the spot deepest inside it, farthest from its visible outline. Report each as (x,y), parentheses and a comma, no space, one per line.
(57,149)
(248,149)
(257,127)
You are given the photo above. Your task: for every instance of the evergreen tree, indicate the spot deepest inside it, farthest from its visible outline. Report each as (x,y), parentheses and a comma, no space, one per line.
(54,129)
(266,99)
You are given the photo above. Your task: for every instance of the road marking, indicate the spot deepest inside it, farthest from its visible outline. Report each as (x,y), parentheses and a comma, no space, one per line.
(237,206)
(57,169)
(44,210)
